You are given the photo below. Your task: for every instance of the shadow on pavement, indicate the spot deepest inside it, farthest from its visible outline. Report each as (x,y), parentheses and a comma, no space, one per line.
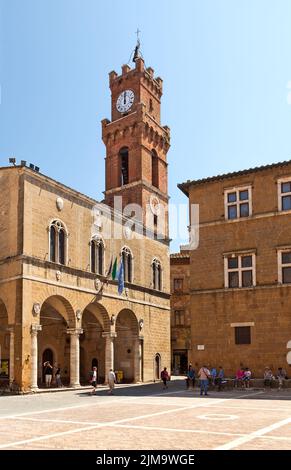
(177,388)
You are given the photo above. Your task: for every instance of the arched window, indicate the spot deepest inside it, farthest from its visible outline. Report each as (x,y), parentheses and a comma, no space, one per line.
(124,170)
(127,264)
(157,274)
(57,242)
(97,256)
(155,169)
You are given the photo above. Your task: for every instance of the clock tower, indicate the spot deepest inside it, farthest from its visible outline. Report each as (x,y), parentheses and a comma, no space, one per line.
(137,144)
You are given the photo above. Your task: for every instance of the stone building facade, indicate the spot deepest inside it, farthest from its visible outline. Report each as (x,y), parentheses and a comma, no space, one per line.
(58,301)
(180,312)
(240,274)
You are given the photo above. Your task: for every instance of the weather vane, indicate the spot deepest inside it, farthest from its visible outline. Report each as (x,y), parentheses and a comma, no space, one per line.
(137,34)
(136,54)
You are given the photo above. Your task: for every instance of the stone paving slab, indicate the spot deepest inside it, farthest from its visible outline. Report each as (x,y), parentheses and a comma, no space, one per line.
(109,438)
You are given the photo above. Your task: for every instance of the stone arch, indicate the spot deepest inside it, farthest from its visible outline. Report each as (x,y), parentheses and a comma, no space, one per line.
(126,345)
(95,321)
(62,305)
(56,316)
(100,312)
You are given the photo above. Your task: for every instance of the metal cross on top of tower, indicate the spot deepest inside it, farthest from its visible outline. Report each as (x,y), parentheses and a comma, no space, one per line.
(137,54)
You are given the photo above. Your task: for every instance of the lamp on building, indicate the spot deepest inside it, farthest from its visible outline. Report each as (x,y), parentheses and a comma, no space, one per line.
(141,323)
(12,160)
(113,319)
(27,359)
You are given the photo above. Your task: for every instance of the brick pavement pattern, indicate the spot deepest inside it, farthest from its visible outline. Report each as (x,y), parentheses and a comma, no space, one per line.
(144,417)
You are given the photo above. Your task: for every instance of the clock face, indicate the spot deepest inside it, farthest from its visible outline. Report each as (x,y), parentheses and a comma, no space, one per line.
(125,101)
(155,205)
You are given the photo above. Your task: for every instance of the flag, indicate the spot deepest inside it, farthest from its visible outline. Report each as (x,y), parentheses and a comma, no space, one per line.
(120,277)
(109,271)
(114,269)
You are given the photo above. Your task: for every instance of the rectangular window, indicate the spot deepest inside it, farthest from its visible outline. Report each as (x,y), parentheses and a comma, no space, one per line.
(242,334)
(240,270)
(179,317)
(285,267)
(238,203)
(284,194)
(178,285)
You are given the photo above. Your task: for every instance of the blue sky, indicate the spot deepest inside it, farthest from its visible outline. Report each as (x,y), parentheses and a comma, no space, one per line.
(225,64)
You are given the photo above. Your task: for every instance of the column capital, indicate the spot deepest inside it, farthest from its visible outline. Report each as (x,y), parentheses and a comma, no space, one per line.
(74,331)
(109,334)
(35,328)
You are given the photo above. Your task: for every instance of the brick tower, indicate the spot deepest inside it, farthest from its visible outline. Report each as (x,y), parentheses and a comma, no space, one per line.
(136,143)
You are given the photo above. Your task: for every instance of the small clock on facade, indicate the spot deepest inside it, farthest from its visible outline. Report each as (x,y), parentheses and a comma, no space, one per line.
(155,205)
(125,101)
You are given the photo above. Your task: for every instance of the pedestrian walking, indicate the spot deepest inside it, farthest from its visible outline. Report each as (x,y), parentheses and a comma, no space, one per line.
(48,373)
(111,381)
(165,377)
(93,379)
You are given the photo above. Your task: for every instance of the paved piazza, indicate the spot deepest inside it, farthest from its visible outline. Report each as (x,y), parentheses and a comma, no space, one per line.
(145,417)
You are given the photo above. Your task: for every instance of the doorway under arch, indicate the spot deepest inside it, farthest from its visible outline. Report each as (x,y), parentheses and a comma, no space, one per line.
(47,355)
(126,346)
(157,366)
(92,345)
(4,345)
(53,339)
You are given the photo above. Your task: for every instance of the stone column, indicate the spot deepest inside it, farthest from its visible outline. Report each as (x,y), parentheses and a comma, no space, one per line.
(109,352)
(11,353)
(138,344)
(34,355)
(75,356)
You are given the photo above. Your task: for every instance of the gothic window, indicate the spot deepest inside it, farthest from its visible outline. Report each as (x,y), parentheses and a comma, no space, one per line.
(124,171)
(97,256)
(157,274)
(57,242)
(127,259)
(155,169)
(53,237)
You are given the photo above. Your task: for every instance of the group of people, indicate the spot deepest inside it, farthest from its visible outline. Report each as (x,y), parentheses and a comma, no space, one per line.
(111,380)
(211,376)
(51,372)
(243,377)
(269,377)
(206,376)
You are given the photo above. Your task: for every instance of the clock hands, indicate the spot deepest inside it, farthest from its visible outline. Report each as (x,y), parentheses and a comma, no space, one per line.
(124,98)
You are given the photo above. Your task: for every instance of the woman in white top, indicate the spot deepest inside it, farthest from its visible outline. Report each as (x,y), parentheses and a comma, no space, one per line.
(94,380)
(111,381)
